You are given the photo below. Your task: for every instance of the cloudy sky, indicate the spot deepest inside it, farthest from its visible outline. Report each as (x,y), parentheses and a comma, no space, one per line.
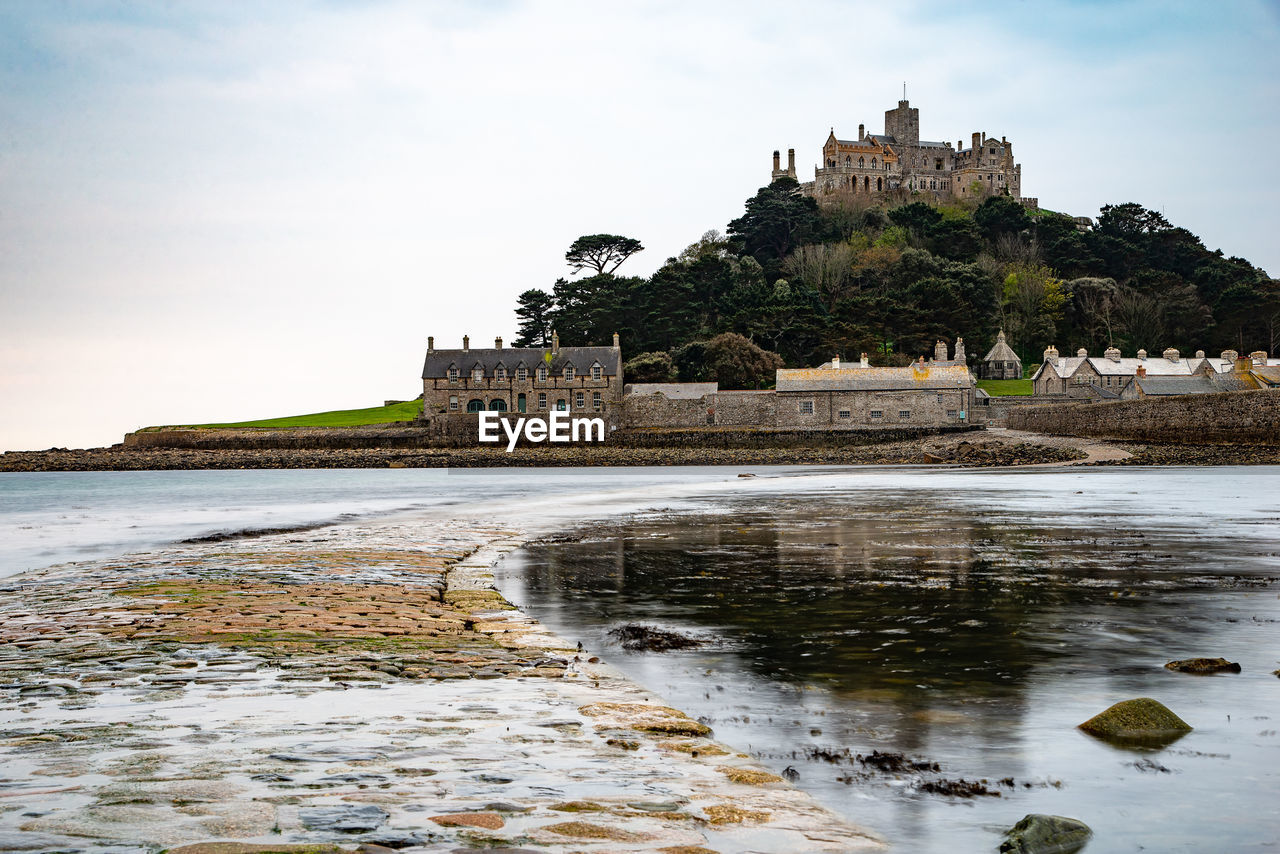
(220,211)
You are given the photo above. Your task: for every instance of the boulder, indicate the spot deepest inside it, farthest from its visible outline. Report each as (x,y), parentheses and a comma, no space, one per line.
(1141,721)
(1204,665)
(1046,834)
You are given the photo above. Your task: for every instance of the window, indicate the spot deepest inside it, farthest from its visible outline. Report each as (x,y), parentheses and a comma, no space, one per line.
(595,400)
(477,374)
(497,405)
(844,413)
(568,373)
(522,374)
(561,405)
(877,413)
(542,400)
(453,375)
(542,373)
(500,373)
(904,414)
(453,403)
(942,398)
(580,400)
(475,405)
(597,372)
(951,413)
(806,407)
(848,161)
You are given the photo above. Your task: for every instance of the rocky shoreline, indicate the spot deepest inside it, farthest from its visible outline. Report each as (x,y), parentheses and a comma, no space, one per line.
(357,685)
(977,451)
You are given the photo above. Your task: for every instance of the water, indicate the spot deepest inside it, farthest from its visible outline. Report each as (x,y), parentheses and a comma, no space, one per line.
(50,518)
(968,619)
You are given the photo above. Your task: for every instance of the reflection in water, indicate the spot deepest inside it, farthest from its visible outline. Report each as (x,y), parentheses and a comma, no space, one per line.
(901,622)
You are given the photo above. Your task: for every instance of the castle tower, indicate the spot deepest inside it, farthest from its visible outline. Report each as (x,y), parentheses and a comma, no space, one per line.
(903,123)
(778,171)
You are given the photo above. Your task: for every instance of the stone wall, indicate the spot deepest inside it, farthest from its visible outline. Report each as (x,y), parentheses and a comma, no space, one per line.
(657,410)
(746,408)
(1227,417)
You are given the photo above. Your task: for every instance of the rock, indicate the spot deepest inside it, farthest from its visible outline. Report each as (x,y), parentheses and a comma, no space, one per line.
(1204,665)
(256,848)
(640,638)
(1046,834)
(485,820)
(343,818)
(1141,721)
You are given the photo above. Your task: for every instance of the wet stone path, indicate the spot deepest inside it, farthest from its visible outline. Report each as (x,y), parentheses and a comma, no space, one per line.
(356,687)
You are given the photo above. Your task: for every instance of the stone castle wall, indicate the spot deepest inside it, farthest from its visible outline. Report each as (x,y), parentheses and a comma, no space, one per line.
(1227,417)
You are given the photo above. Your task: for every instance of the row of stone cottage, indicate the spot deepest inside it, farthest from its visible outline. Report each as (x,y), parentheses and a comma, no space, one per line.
(588,381)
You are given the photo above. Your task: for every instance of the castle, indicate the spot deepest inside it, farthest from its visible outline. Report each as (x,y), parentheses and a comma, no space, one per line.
(899,163)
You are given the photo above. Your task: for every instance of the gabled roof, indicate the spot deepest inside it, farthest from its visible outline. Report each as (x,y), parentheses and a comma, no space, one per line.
(437,362)
(1161,386)
(929,376)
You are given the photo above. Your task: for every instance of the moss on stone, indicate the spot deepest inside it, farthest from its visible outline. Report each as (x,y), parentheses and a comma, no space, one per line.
(1139,720)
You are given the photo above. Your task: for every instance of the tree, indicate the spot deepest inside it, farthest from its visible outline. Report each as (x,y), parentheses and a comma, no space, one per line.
(655,367)
(1001,215)
(1033,303)
(777,220)
(734,362)
(535,309)
(598,251)
(825,267)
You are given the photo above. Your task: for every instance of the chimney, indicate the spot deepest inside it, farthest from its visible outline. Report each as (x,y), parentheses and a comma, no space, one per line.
(862,132)
(960,356)
(1082,353)
(1113,354)
(616,343)
(1171,354)
(1142,371)
(466,343)
(864,362)
(959,145)
(1229,356)
(835,361)
(1242,365)
(977,139)
(1051,354)
(777,161)
(1142,355)
(791,162)
(1199,354)
(940,351)
(1259,358)
(431,343)
(497,343)
(555,342)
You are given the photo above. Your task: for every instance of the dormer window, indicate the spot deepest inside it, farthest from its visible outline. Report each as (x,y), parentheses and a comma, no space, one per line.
(500,373)
(477,374)
(568,373)
(597,372)
(453,374)
(522,374)
(542,373)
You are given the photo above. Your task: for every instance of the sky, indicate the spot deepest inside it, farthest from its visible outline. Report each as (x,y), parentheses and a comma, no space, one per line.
(219,211)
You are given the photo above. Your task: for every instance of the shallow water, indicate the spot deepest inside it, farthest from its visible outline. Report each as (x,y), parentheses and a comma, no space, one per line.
(968,619)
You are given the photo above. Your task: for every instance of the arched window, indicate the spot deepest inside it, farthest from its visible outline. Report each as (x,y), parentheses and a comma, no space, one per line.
(475,405)
(866,184)
(879,184)
(848,161)
(497,405)
(862,162)
(873,163)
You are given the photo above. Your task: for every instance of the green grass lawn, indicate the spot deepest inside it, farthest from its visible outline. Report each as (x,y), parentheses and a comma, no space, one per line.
(406,411)
(1006,388)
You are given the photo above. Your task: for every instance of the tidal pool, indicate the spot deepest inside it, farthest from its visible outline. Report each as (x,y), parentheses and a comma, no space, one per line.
(968,621)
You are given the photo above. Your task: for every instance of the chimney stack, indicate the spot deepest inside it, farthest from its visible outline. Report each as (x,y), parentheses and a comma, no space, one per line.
(497,343)
(431,343)
(791,162)
(864,362)
(1142,371)
(466,343)
(777,161)
(616,343)
(960,356)
(835,361)
(862,132)
(1051,354)
(555,342)
(940,351)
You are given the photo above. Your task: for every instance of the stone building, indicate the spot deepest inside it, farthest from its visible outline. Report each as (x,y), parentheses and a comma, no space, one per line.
(581,380)
(1000,363)
(899,162)
(1113,377)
